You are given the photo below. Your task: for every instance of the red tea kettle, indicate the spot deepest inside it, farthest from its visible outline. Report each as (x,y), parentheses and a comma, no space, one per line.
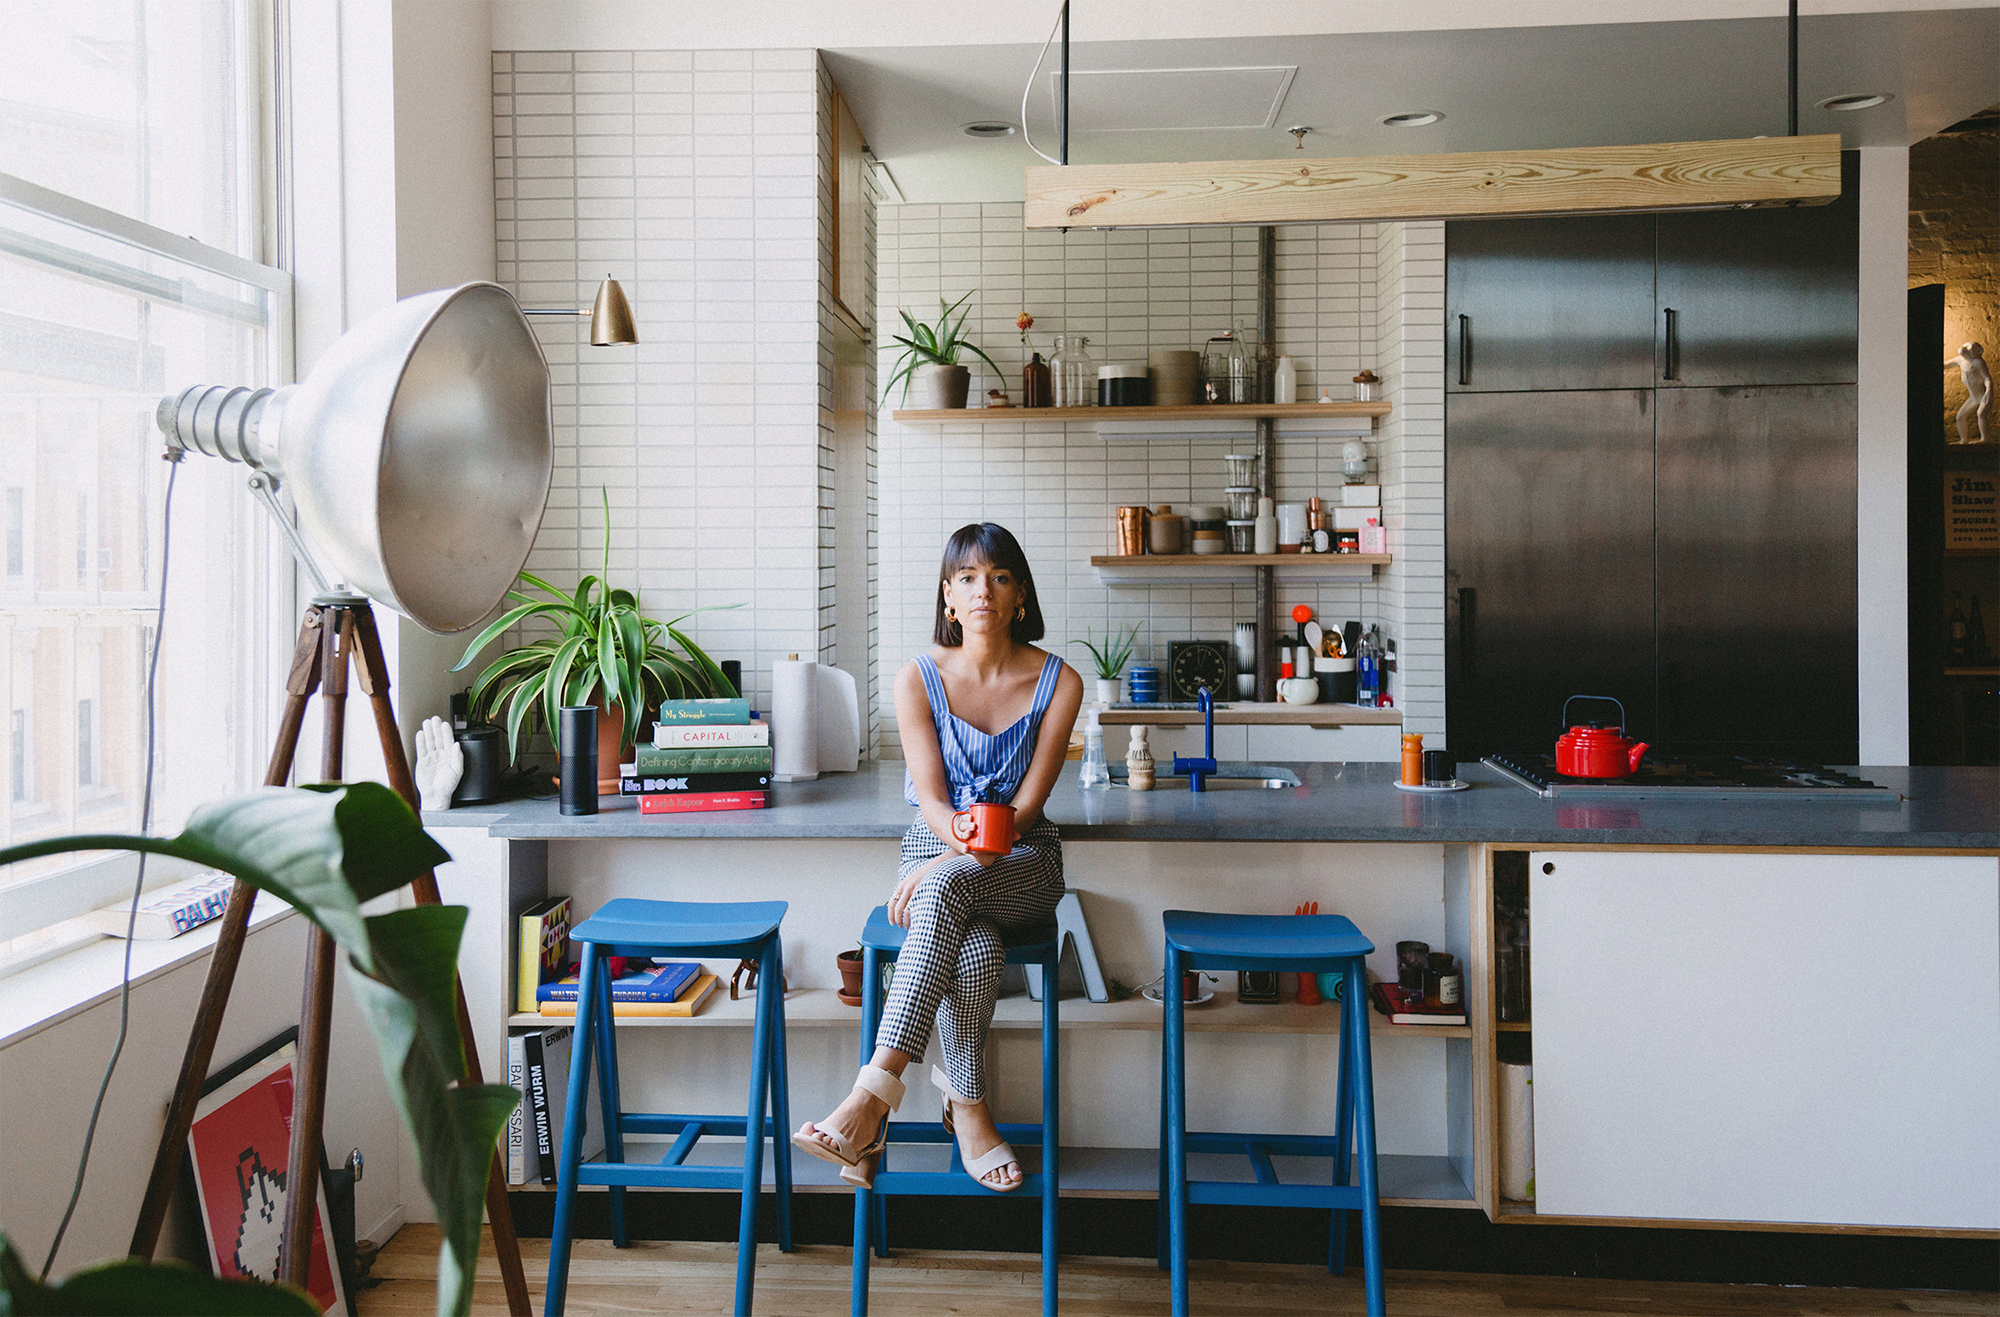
(1591,750)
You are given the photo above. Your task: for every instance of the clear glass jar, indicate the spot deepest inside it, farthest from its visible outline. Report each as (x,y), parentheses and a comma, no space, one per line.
(1227,370)
(1075,374)
(1242,470)
(1242,502)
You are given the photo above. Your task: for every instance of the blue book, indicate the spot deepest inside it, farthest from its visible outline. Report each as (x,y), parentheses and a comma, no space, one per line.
(661,983)
(685,713)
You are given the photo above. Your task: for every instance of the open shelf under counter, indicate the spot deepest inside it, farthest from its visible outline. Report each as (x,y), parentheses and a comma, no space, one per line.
(1166,568)
(1256,715)
(1220,411)
(1406,1180)
(821,1008)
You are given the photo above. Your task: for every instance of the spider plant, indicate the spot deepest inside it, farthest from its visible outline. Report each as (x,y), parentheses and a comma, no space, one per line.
(938,345)
(607,646)
(1111,657)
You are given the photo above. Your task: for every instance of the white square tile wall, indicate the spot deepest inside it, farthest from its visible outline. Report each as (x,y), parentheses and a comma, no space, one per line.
(1348,297)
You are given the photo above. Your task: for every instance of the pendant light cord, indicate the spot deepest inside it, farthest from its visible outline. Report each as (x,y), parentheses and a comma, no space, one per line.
(1792,71)
(1062,13)
(138,882)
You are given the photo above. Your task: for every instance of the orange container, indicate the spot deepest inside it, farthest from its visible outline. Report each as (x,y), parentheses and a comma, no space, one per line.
(1413,759)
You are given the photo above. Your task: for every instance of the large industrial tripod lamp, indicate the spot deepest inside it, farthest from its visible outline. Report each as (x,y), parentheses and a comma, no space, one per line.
(418,454)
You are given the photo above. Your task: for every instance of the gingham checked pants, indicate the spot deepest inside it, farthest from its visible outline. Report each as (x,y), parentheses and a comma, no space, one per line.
(951,960)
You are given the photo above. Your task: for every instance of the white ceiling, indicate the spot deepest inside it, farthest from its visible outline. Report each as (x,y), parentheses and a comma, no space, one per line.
(1498,88)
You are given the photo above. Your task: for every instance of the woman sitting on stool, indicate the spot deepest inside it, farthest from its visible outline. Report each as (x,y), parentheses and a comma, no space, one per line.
(985,716)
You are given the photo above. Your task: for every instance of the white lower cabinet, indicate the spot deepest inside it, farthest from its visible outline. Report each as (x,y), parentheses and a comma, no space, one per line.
(1766,1037)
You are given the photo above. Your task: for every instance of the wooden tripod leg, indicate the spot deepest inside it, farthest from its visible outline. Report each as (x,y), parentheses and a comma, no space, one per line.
(336,636)
(299,686)
(372,674)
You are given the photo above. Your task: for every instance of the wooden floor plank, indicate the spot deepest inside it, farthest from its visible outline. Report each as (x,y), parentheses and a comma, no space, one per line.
(672,1277)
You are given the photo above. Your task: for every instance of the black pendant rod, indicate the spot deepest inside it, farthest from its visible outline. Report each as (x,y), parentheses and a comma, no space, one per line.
(1062,119)
(1791,68)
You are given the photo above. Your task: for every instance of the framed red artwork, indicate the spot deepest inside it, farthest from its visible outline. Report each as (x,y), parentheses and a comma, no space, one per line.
(240,1145)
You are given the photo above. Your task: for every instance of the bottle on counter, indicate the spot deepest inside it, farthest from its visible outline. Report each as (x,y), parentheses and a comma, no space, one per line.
(1267,526)
(1285,381)
(1094,772)
(1413,759)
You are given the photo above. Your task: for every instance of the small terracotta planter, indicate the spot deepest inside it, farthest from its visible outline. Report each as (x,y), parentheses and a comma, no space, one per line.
(850,978)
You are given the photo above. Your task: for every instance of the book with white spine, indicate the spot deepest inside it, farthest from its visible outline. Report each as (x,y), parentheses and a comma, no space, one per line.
(691,736)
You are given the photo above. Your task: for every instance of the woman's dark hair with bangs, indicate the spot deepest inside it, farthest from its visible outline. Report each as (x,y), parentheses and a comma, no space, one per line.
(994,545)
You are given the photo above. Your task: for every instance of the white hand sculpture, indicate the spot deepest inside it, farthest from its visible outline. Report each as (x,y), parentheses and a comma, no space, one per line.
(440,764)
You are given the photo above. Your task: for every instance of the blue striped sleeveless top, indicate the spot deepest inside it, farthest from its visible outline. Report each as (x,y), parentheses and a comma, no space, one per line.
(978,767)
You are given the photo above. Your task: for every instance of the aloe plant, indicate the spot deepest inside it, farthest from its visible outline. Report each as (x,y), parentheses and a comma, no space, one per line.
(326,850)
(1110,658)
(938,345)
(606,644)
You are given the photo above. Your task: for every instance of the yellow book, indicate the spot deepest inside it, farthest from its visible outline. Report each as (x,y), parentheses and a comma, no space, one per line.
(542,956)
(688,1004)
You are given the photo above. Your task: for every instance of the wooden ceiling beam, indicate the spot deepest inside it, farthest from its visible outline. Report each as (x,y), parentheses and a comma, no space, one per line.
(1585,180)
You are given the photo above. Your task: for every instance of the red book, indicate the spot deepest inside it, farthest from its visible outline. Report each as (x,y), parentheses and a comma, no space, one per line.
(687,802)
(1403,1006)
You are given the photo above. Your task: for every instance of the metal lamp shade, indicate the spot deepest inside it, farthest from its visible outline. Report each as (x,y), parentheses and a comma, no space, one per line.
(611,317)
(418,452)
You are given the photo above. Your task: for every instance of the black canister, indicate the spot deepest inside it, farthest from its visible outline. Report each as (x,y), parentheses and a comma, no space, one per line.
(1124,386)
(579,759)
(483,749)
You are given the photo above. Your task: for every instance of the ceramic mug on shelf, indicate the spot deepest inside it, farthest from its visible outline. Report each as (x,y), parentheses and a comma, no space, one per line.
(985,829)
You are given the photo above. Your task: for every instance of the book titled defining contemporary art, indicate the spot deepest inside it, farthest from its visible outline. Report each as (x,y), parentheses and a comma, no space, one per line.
(543,954)
(632,784)
(650,760)
(697,802)
(168,912)
(695,736)
(689,1003)
(654,983)
(681,713)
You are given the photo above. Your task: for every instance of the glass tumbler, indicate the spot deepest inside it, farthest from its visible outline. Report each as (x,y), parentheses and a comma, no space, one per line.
(1075,374)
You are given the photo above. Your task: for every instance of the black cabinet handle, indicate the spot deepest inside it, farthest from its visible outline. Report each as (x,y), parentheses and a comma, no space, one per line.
(1672,363)
(1464,349)
(1467,614)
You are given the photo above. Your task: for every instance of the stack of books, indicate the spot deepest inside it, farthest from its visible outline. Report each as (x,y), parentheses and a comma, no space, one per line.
(670,990)
(705,755)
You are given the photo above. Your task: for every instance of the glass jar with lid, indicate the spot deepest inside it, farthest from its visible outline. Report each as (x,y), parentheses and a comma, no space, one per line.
(1073,373)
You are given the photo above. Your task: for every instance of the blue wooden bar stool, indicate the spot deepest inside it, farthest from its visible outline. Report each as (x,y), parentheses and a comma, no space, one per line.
(710,931)
(1308,944)
(881,942)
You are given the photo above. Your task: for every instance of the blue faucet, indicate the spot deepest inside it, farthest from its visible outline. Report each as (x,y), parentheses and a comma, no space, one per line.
(1198,770)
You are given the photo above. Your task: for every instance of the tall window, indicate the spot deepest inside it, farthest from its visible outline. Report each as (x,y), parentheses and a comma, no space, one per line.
(126,128)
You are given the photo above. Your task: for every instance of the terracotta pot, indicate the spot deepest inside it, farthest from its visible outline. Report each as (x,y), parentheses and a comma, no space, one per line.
(939,388)
(850,977)
(612,750)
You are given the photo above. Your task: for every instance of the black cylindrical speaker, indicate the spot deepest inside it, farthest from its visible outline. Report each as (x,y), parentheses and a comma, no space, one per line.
(485,753)
(578,742)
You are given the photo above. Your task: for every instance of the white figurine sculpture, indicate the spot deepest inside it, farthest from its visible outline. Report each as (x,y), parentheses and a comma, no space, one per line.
(1978,380)
(440,764)
(1139,760)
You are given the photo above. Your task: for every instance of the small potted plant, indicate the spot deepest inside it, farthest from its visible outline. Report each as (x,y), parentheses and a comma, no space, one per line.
(930,359)
(1109,659)
(850,976)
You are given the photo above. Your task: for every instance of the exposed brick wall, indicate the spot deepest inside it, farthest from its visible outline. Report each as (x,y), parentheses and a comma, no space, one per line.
(1955,240)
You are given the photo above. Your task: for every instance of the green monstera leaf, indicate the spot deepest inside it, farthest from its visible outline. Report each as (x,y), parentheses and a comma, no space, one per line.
(142,1289)
(325,850)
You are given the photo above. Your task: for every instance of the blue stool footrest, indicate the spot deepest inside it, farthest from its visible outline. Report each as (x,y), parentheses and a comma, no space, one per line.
(652,1175)
(949,1184)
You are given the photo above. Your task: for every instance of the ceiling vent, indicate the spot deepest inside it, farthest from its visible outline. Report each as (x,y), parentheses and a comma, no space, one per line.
(1172,100)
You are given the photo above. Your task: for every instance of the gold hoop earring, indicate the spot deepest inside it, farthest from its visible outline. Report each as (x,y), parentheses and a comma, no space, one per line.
(1021,613)
(950,614)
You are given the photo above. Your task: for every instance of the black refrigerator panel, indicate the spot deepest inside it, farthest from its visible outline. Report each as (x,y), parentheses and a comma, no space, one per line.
(1756,553)
(1548,563)
(1563,303)
(1758,297)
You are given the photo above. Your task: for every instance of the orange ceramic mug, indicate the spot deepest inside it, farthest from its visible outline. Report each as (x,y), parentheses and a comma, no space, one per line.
(985,829)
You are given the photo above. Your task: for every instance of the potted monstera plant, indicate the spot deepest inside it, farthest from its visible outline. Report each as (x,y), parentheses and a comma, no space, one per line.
(932,378)
(606,652)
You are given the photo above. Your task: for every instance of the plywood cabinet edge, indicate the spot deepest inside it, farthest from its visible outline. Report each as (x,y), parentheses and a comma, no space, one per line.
(1480,1013)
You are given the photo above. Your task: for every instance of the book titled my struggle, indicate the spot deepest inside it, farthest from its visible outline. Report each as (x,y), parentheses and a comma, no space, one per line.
(675,713)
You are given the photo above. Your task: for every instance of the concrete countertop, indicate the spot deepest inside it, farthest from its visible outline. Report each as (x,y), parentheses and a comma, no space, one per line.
(1944,808)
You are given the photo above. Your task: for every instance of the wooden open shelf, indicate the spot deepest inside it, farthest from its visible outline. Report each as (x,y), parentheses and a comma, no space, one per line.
(1280,560)
(1219,411)
(821,1008)
(1254,714)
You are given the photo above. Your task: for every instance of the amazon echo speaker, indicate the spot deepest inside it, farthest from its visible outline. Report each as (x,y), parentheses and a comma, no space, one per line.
(483,749)
(578,746)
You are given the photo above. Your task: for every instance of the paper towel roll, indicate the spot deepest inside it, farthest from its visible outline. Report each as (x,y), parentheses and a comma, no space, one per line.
(794,720)
(839,720)
(1517,1133)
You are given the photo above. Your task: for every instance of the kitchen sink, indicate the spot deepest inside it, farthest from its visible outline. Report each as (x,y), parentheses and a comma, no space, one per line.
(1170,783)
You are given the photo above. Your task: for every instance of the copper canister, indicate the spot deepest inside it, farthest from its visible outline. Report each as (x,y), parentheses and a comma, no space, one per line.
(1131,531)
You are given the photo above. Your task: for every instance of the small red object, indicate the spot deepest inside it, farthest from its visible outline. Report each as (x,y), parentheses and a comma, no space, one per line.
(1302,614)
(1592,751)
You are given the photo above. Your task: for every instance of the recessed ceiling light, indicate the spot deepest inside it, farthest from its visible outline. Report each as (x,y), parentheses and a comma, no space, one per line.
(1414,119)
(988,128)
(1857,101)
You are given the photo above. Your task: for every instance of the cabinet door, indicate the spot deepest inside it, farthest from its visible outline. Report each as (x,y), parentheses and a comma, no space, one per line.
(1810,1038)
(1756,506)
(1561,303)
(1548,562)
(1764,296)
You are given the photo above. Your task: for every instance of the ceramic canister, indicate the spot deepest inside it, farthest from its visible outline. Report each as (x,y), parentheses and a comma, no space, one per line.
(1176,376)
